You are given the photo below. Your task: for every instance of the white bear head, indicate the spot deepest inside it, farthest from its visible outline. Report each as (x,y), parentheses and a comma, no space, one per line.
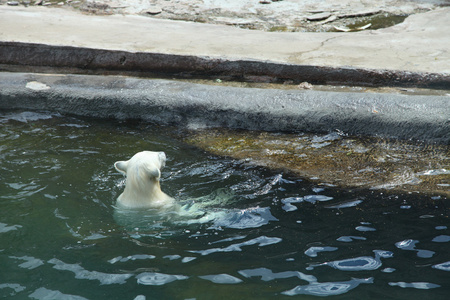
(142,188)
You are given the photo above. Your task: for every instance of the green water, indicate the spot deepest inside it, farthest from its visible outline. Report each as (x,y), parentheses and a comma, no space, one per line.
(253,233)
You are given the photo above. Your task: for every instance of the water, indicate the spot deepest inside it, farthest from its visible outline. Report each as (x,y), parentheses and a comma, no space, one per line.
(247,232)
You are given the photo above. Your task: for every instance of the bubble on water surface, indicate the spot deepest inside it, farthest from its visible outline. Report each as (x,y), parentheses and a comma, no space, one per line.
(416,285)
(222,279)
(327,288)
(148,278)
(443,266)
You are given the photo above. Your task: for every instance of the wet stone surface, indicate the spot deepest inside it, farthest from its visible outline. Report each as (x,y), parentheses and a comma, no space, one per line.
(334,159)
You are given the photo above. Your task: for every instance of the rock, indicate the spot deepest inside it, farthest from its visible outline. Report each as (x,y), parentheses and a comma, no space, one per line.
(37,86)
(12,3)
(305,85)
(328,20)
(318,17)
(38,2)
(360,14)
(154,10)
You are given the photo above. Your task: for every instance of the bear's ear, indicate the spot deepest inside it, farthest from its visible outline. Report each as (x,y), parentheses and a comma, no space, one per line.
(162,159)
(153,171)
(121,166)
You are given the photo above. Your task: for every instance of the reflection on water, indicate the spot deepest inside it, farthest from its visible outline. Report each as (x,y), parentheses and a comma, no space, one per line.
(242,231)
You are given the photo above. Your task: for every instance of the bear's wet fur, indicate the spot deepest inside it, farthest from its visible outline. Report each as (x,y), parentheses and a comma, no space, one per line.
(142,187)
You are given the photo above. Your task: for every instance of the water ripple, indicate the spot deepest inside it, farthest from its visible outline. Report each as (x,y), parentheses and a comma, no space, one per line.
(443,266)
(358,263)
(81,273)
(365,228)
(14,286)
(260,241)
(350,238)
(442,239)
(131,257)
(312,251)
(410,245)
(316,198)
(346,204)
(151,278)
(46,294)
(416,285)
(327,288)
(5,228)
(245,218)
(30,262)
(222,279)
(288,206)
(268,275)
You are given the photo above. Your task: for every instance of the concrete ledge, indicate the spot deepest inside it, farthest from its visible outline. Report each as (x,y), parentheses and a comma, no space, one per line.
(66,59)
(424,118)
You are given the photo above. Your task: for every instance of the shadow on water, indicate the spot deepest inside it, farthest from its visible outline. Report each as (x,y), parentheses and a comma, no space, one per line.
(243,231)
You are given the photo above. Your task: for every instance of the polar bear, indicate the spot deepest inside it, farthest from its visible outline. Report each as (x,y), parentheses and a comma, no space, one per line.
(142,188)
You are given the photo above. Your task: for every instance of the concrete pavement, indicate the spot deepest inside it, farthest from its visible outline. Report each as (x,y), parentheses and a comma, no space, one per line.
(413,53)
